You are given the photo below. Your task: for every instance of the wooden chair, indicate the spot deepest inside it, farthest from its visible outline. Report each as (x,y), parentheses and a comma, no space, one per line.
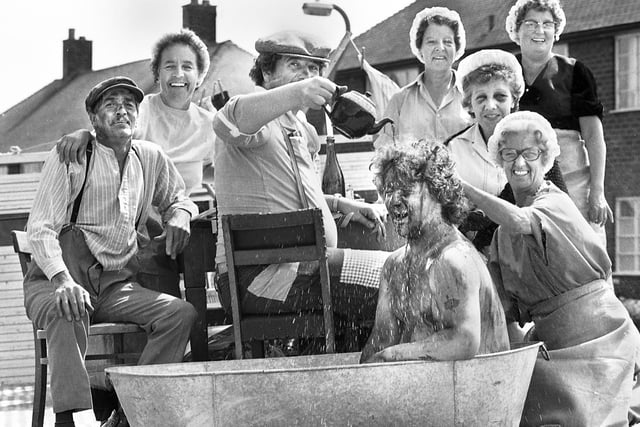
(115,331)
(254,239)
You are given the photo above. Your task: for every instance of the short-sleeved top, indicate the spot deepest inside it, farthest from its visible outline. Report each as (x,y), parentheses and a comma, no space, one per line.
(473,162)
(416,116)
(185,135)
(563,253)
(254,173)
(564,91)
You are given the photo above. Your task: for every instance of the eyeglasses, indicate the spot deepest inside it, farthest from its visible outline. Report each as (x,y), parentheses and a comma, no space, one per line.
(532,25)
(511,154)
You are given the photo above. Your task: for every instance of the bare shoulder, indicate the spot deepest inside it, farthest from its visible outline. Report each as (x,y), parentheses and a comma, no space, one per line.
(460,254)
(462,266)
(395,260)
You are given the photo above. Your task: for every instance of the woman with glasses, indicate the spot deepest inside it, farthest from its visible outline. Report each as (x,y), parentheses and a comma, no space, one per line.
(551,268)
(563,90)
(429,108)
(491,84)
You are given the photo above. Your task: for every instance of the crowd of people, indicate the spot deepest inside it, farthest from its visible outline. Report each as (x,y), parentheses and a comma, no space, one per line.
(503,212)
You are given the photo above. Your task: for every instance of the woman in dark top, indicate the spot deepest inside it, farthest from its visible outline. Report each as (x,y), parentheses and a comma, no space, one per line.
(563,90)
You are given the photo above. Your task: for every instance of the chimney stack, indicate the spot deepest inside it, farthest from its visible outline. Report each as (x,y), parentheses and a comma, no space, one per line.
(76,55)
(201,19)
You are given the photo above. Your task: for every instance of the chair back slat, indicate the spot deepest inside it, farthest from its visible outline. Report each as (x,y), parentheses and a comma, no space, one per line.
(272,231)
(276,256)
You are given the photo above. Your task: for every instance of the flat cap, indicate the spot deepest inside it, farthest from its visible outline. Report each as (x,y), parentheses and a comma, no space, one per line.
(112,83)
(294,43)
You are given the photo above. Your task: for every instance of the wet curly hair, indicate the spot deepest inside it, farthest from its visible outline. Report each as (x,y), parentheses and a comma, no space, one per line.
(422,162)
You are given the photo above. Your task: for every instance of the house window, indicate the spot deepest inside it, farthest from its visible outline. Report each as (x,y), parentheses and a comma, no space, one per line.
(628,71)
(628,235)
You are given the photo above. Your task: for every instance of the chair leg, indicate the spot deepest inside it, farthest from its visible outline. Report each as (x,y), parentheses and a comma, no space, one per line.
(40,387)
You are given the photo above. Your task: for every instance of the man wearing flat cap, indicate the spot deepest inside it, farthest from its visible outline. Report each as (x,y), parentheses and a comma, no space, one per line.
(263,164)
(83,233)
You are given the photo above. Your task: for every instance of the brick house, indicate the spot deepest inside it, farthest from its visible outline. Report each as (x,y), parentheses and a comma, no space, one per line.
(605,35)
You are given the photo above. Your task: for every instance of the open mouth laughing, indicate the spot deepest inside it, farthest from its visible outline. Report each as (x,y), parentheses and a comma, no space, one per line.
(520,172)
(399,215)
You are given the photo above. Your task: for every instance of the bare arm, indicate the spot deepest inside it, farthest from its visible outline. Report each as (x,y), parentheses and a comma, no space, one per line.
(178,230)
(371,215)
(503,213)
(386,330)
(593,135)
(71,146)
(254,110)
(457,298)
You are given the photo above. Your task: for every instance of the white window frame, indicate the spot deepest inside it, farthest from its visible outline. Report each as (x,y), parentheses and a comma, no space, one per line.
(635,234)
(632,74)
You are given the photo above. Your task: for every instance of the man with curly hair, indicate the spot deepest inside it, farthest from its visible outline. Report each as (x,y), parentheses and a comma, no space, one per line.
(436,298)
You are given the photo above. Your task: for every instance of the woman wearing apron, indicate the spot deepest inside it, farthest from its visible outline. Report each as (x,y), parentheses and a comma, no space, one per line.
(563,90)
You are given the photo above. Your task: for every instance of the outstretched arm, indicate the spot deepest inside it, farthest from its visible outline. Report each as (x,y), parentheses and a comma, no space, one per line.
(371,215)
(254,110)
(503,213)
(386,330)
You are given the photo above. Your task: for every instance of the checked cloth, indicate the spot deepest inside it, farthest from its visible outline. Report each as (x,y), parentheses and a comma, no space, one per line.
(362,267)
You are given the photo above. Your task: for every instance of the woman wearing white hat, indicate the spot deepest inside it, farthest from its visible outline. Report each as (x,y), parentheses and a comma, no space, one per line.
(551,268)
(430,107)
(563,90)
(491,84)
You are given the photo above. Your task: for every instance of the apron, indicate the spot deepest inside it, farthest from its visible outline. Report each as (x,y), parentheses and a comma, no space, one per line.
(574,165)
(593,355)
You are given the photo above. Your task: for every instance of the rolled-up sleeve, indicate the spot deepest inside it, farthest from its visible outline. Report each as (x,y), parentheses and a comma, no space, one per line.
(225,126)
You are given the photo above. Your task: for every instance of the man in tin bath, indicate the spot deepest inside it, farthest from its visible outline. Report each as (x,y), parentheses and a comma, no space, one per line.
(436,298)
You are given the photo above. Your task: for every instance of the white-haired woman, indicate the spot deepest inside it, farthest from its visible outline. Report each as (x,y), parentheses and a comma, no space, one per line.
(491,84)
(552,268)
(564,91)
(430,107)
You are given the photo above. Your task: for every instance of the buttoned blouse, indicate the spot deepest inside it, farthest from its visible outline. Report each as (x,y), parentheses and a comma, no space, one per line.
(473,163)
(416,116)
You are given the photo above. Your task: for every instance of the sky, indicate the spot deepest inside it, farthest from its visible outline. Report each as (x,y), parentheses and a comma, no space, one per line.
(32,31)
